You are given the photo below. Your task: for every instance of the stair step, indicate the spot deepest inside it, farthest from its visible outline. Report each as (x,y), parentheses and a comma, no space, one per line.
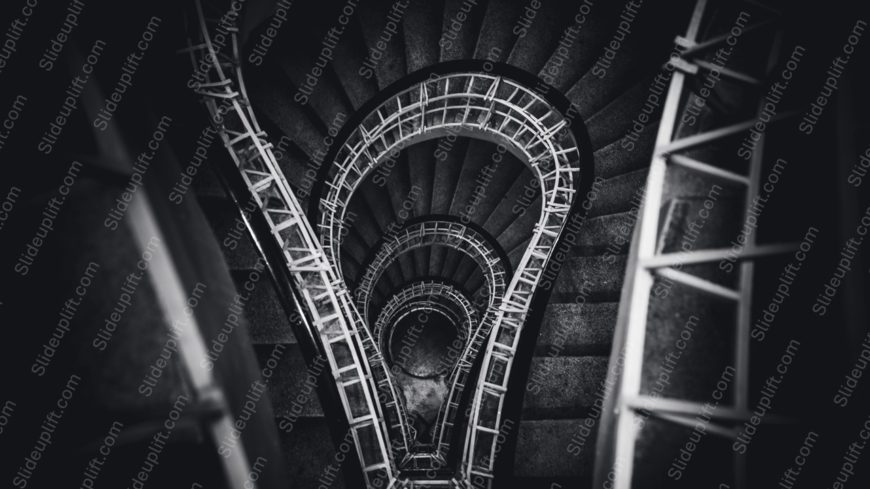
(562,387)
(327,100)
(292,386)
(421,35)
(348,57)
(608,233)
(688,183)
(354,251)
(523,197)
(269,92)
(590,23)
(689,224)
(618,194)
(460,25)
(592,278)
(632,152)
(447,171)
(478,155)
(499,190)
(538,32)
(515,255)
(704,321)
(373,19)
(577,329)
(641,54)
(552,449)
(268,322)
(495,37)
(617,118)
(422,172)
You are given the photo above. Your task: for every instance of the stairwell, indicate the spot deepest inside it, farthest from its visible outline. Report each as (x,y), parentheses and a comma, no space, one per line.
(562,43)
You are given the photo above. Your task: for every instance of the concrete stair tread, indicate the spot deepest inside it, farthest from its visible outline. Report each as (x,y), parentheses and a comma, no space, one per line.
(538,33)
(327,101)
(562,387)
(422,173)
(616,119)
(374,20)
(552,449)
(631,152)
(590,278)
(516,254)
(577,329)
(619,193)
(608,233)
(521,198)
(583,44)
(603,82)
(460,24)
(421,35)
(477,156)
(504,181)
(495,38)
(294,119)
(349,54)
(447,171)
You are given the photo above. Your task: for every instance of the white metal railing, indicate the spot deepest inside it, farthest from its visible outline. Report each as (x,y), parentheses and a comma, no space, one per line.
(454,235)
(479,105)
(466,240)
(646,262)
(324,296)
(427,296)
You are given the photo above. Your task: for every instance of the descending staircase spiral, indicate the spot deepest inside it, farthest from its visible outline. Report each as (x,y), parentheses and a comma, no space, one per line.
(450,138)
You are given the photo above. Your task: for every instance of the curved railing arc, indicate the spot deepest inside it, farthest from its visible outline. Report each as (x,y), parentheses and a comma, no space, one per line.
(486,106)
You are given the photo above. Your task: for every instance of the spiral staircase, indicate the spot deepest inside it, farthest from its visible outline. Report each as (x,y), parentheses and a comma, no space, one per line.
(549,435)
(457,232)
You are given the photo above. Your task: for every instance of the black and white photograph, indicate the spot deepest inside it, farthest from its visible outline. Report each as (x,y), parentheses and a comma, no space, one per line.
(435,244)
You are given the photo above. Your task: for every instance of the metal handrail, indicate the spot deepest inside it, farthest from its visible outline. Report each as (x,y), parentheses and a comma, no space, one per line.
(466,240)
(457,236)
(423,296)
(480,104)
(325,299)
(624,403)
(486,106)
